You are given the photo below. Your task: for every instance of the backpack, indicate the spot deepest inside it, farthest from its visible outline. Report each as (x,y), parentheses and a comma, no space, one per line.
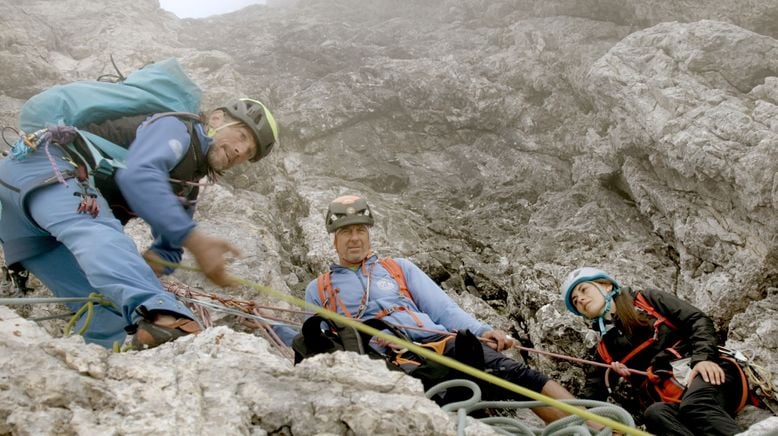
(312,340)
(106,116)
(662,385)
(156,88)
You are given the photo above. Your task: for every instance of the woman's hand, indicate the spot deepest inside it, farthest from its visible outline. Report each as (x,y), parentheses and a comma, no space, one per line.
(711,372)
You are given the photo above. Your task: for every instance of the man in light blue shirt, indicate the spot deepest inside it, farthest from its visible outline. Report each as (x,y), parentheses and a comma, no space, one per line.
(361,286)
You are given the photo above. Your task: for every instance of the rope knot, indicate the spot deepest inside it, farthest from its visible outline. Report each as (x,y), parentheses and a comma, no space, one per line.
(62,134)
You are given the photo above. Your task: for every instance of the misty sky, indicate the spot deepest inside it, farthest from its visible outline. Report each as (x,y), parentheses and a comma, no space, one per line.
(204,8)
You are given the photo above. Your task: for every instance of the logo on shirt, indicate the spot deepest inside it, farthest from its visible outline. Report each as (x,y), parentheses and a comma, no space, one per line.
(385,284)
(177,148)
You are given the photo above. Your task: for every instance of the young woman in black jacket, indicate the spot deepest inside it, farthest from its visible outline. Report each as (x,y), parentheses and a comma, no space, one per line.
(646,331)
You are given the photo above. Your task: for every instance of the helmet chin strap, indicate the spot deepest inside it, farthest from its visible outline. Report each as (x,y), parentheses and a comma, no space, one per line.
(212,131)
(608,301)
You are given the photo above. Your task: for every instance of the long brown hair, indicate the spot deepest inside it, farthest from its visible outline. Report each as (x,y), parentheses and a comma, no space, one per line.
(625,309)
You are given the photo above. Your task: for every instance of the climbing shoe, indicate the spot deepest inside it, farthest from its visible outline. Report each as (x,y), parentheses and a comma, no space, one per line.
(150,335)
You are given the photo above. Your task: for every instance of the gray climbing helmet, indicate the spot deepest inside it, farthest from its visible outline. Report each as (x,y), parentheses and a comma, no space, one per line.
(259,120)
(347,210)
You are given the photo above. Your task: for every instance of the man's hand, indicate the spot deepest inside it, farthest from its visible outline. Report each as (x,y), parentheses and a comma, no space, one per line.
(620,369)
(498,340)
(151,258)
(711,372)
(209,253)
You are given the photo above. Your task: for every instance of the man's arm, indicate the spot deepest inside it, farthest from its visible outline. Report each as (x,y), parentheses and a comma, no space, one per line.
(162,250)
(145,184)
(312,294)
(431,299)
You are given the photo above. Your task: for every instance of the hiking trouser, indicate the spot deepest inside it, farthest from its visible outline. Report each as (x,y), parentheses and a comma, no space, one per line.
(705,409)
(508,369)
(81,254)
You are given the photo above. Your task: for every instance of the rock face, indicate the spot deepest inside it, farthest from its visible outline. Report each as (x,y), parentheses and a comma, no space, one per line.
(219,382)
(500,143)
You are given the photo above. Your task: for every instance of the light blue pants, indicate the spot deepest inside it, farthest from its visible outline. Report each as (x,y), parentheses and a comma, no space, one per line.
(86,255)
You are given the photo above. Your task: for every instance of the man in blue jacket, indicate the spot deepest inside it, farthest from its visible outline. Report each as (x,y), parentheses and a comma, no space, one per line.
(360,286)
(75,254)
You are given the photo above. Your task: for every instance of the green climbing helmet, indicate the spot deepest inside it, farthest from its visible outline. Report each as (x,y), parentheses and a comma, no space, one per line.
(259,120)
(580,275)
(347,210)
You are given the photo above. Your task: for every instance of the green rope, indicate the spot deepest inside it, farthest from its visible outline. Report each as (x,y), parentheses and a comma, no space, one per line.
(88,307)
(430,355)
(117,347)
(565,426)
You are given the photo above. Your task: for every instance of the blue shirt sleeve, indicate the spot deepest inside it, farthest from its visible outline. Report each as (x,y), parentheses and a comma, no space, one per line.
(167,251)
(157,149)
(431,299)
(312,294)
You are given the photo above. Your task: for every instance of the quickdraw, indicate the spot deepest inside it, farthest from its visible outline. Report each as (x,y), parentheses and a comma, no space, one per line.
(59,135)
(88,203)
(759,378)
(27,143)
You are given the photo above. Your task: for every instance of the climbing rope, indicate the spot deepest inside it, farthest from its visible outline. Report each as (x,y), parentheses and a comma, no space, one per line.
(249,311)
(421,351)
(49,300)
(570,425)
(527,349)
(424,352)
(88,307)
(759,378)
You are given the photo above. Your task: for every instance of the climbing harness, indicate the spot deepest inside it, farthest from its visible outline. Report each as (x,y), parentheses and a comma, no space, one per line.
(641,303)
(663,385)
(59,135)
(28,143)
(329,296)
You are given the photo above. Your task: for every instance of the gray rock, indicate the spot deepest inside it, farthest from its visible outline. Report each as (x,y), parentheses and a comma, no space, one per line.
(220,381)
(500,143)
